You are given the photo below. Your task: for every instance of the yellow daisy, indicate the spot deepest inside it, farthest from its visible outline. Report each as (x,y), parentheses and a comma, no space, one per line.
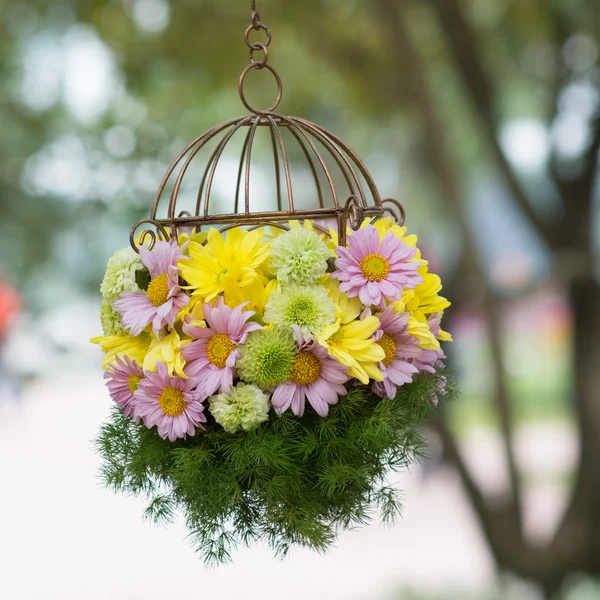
(199,237)
(193,311)
(350,340)
(135,348)
(420,302)
(256,293)
(425,298)
(167,350)
(225,260)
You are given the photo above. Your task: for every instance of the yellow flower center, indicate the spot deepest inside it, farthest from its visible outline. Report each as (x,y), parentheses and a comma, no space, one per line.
(218,349)
(172,402)
(389,347)
(158,290)
(374,267)
(133,382)
(306,369)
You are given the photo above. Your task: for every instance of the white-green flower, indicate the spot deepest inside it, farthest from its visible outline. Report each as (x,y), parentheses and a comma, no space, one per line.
(245,408)
(299,256)
(267,357)
(110,319)
(310,307)
(120,273)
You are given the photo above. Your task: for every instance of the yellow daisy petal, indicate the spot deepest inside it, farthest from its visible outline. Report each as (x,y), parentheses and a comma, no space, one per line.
(167,350)
(123,345)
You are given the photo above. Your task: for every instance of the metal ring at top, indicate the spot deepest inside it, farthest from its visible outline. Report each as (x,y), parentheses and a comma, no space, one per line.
(259,66)
(256,28)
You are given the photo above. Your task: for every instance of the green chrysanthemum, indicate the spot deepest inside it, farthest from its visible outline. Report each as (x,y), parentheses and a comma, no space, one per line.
(310,307)
(245,408)
(110,319)
(267,357)
(120,274)
(299,256)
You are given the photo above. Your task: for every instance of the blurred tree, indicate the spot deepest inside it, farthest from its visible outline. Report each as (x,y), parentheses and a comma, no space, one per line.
(96,98)
(569,33)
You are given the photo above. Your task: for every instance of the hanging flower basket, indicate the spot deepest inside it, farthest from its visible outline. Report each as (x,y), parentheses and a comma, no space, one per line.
(269,368)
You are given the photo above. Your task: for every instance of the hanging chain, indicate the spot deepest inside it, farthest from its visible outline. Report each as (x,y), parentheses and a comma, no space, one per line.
(257,46)
(255,14)
(260,61)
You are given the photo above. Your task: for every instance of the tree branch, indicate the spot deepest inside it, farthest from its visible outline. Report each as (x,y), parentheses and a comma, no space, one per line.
(591,159)
(409,58)
(466,52)
(472,489)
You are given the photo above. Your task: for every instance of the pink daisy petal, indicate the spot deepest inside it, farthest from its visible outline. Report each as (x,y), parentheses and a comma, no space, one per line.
(282,397)
(324,390)
(215,371)
(122,379)
(135,308)
(298,401)
(155,411)
(398,369)
(391,259)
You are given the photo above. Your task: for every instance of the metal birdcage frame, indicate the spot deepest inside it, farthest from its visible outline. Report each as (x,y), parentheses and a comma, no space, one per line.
(318,146)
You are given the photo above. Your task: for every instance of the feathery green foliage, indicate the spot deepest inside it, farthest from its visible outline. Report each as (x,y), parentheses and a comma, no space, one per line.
(291,481)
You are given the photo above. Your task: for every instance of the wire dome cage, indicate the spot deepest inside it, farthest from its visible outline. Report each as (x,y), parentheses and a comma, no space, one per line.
(343,191)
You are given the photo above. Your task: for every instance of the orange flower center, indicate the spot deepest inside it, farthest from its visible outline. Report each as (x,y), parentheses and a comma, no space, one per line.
(158,290)
(218,349)
(306,369)
(133,382)
(172,402)
(374,267)
(389,347)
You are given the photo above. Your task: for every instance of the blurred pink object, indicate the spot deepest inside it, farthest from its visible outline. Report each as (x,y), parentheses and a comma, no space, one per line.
(10,306)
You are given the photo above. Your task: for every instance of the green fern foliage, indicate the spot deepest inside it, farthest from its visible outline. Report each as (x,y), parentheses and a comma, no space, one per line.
(291,481)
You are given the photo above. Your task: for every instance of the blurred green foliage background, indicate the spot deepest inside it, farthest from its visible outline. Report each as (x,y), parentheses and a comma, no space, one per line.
(481,116)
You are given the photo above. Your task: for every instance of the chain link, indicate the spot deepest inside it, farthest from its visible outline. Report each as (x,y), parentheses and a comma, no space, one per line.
(259,63)
(257,46)
(256,63)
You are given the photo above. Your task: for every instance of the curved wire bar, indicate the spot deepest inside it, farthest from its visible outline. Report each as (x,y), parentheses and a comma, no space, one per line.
(213,161)
(318,156)
(309,136)
(286,165)
(153,235)
(248,160)
(276,161)
(340,152)
(310,162)
(399,216)
(239,175)
(195,147)
(174,164)
(355,158)
(336,155)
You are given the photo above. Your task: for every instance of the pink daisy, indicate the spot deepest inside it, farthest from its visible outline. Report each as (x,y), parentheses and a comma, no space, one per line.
(171,403)
(316,377)
(211,359)
(374,269)
(399,347)
(122,380)
(163,299)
